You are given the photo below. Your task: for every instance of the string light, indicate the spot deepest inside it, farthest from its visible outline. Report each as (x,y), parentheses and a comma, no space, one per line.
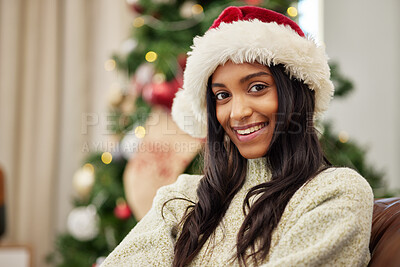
(88,167)
(138,22)
(140,132)
(197,9)
(109,65)
(151,56)
(159,78)
(343,137)
(83,180)
(106,157)
(292,11)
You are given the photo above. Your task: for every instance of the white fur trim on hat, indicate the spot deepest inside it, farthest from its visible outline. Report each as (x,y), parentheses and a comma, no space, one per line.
(248,41)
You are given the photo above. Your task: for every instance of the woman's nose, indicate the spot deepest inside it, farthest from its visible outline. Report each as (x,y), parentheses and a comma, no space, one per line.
(240,109)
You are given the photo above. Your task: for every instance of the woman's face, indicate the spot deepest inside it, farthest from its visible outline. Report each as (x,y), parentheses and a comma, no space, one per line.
(246,104)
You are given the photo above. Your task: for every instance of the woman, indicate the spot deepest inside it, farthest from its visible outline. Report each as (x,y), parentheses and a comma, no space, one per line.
(253,86)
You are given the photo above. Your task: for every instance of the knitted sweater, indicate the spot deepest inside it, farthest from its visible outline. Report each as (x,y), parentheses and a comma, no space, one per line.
(327,222)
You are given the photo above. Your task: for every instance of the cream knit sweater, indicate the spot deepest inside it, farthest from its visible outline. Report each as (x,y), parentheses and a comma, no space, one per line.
(327,222)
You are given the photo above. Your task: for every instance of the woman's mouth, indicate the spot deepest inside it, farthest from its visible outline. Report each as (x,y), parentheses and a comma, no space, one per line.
(251,129)
(247,133)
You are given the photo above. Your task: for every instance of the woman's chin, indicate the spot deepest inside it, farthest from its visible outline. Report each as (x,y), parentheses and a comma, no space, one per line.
(252,154)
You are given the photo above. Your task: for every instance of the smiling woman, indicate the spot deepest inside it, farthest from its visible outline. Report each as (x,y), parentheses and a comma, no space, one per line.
(246,105)
(253,87)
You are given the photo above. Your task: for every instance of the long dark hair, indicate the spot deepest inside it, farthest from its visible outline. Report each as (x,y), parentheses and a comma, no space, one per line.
(294,157)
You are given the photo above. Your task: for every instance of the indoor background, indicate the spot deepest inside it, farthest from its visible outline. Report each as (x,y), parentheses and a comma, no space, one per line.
(52,78)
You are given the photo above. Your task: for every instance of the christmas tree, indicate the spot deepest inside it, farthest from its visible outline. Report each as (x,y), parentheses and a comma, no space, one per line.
(343,152)
(153,60)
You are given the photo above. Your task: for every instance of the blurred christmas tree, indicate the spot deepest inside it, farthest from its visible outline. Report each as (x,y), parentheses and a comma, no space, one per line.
(153,60)
(344,152)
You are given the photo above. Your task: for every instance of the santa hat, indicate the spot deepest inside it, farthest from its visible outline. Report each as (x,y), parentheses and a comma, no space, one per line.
(249,34)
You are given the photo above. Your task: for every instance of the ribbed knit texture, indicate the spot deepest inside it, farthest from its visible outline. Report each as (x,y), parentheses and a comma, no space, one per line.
(327,222)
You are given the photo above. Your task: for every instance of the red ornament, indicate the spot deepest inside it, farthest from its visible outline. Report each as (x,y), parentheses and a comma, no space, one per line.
(122,211)
(162,93)
(135,8)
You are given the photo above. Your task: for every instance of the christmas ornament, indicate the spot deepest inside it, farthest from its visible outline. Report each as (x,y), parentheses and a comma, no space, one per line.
(121,210)
(143,76)
(127,47)
(150,167)
(162,93)
(134,6)
(186,9)
(83,181)
(83,223)
(129,144)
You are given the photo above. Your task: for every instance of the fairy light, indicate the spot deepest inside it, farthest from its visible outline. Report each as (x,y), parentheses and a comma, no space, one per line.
(159,78)
(138,22)
(106,157)
(109,65)
(88,167)
(151,56)
(343,137)
(197,9)
(140,132)
(292,11)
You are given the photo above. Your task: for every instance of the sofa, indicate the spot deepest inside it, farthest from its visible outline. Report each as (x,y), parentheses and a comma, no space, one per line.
(385,234)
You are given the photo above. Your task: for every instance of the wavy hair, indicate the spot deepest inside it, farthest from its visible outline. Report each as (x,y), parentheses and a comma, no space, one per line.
(294,157)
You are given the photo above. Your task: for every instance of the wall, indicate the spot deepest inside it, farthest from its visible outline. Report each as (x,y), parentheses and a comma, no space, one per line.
(363,36)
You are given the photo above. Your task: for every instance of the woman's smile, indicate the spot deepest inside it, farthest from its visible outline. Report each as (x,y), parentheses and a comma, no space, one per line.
(246,104)
(248,132)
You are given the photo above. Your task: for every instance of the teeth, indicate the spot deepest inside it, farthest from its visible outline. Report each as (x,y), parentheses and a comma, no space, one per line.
(251,129)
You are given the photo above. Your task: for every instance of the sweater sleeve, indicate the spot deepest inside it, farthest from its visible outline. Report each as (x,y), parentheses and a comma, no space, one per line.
(151,242)
(331,226)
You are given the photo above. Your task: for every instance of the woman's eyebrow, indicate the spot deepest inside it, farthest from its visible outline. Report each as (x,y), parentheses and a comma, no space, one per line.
(217,85)
(248,77)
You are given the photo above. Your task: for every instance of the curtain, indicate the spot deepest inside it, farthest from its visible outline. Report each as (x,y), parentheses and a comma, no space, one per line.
(51,75)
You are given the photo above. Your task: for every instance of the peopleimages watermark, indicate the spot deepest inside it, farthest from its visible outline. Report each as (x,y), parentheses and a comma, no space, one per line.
(105,123)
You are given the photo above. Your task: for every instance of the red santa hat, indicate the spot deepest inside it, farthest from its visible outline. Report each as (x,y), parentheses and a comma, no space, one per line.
(249,34)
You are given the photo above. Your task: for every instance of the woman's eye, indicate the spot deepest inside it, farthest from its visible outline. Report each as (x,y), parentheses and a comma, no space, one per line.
(257,87)
(221,95)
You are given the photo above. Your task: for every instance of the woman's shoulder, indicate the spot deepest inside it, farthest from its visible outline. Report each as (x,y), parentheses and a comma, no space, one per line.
(177,196)
(184,186)
(342,177)
(337,182)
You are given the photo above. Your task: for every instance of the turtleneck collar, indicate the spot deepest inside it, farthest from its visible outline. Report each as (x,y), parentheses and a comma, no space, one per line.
(257,172)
